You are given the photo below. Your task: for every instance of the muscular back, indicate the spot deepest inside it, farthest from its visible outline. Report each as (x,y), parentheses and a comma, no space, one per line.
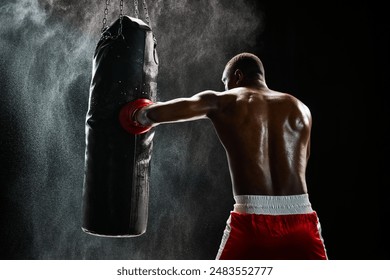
(266,136)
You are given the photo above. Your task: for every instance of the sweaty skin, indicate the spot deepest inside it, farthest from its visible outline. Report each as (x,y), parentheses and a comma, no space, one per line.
(266,134)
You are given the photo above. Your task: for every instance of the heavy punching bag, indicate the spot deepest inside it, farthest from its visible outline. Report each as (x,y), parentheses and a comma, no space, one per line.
(117,163)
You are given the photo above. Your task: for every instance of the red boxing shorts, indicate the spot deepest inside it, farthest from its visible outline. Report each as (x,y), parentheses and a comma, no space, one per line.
(272,228)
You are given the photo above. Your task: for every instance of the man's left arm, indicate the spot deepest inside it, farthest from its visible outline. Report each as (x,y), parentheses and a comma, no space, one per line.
(196,107)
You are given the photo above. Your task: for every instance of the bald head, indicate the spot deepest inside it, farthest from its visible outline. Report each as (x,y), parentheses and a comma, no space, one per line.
(243,69)
(250,65)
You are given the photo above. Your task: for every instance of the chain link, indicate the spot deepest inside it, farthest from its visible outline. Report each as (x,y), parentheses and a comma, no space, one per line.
(105,15)
(120,17)
(147,19)
(107,34)
(121,9)
(136,12)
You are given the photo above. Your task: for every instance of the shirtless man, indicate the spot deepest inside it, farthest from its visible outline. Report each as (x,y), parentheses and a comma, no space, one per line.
(266,135)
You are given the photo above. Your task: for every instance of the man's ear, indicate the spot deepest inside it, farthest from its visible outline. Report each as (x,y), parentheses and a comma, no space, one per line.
(239,76)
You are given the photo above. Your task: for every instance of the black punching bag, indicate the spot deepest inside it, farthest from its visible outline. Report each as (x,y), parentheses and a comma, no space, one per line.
(117,163)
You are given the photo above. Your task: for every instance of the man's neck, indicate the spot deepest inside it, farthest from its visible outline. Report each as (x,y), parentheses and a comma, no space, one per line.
(255,84)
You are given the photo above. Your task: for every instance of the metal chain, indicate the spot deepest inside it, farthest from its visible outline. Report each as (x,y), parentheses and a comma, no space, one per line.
(136,12)
(108,35)
(105,15)
(120,17)
(145,7)
(121,9)
(147,19)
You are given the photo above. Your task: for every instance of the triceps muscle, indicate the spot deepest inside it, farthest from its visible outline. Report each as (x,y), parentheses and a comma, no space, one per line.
(182,109)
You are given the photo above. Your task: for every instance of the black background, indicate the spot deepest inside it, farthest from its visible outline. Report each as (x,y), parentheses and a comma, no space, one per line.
(332,56)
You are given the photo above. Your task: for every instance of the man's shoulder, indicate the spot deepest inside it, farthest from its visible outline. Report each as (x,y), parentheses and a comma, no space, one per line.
(292,102)
(288,97)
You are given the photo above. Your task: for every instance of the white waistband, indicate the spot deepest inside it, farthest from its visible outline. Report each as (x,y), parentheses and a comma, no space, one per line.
(273,205)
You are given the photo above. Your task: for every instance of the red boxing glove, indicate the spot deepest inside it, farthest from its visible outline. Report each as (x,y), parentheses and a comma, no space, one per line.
(127,116)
